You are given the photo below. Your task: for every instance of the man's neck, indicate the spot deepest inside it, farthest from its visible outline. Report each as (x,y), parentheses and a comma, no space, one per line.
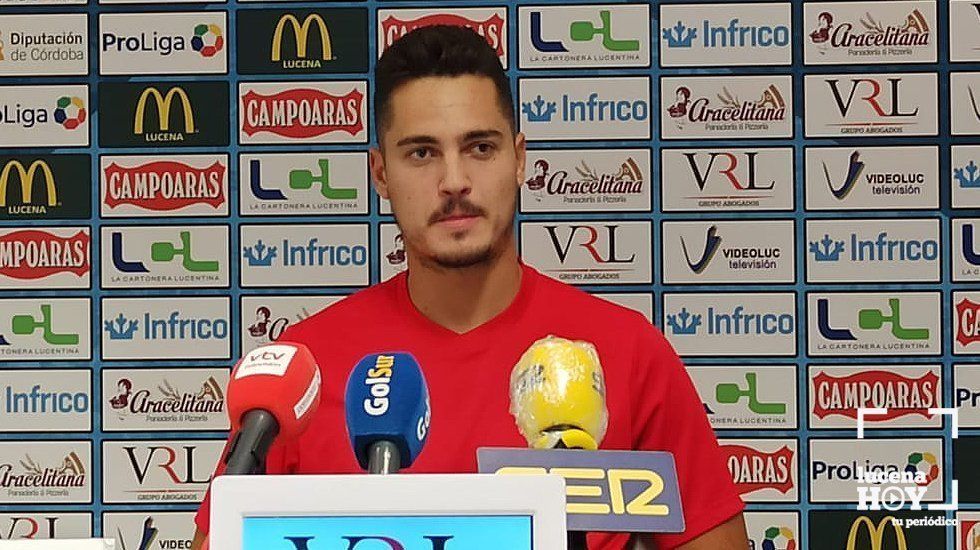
(462,299)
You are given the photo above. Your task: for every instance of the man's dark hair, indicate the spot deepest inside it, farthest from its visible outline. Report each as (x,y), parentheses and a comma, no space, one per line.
(438,50)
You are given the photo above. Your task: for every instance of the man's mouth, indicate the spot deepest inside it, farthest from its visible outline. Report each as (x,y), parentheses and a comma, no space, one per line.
(458,221)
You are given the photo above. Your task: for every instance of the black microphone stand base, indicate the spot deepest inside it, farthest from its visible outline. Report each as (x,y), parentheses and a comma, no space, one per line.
(577,541)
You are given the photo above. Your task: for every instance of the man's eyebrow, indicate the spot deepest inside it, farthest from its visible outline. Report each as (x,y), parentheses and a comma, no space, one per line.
(417,140)
(482,134)
(430,140)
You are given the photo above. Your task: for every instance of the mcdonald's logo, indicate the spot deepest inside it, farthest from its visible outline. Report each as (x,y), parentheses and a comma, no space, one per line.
(876,534)
(163,109)
(26,176)
(153,114)
(302,35)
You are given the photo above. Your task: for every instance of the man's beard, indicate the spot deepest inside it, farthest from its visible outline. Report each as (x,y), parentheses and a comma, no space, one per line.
(479,255)
(465,258)
(470,258)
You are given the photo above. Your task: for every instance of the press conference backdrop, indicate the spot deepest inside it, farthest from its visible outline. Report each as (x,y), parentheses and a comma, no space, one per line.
(788,189)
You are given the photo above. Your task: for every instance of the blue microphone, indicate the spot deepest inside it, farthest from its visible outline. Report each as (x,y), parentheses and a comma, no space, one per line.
(387,409)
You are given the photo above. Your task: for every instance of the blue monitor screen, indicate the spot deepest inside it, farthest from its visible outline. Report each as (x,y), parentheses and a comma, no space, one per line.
(387,533)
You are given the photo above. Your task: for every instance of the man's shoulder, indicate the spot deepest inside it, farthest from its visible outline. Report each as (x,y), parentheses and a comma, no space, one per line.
(361,305)
(623,336)
(567,299)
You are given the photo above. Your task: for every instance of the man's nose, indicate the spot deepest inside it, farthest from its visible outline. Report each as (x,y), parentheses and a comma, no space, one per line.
(455,179)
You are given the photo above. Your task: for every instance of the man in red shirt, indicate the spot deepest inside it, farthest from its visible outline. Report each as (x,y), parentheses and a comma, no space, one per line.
(451,163)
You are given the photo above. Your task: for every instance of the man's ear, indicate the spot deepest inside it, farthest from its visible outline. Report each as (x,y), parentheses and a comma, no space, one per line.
(376,164)
(520,148)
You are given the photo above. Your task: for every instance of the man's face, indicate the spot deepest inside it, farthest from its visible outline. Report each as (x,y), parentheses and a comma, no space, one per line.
(451,168)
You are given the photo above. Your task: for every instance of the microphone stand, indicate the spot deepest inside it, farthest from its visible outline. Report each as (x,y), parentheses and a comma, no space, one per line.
(384,458)
(577,540)
(250,446)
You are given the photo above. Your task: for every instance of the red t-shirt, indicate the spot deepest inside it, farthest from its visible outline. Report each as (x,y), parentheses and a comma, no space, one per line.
(652,403)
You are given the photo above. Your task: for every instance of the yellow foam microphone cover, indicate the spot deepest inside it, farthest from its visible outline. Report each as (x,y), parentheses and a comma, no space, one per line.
(570,438)
(558,393)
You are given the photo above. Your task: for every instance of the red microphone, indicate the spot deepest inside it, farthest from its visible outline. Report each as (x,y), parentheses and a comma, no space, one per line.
(274,391)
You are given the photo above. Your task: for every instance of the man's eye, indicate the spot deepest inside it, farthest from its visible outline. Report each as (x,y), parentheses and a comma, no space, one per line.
(421,153)
(483,148)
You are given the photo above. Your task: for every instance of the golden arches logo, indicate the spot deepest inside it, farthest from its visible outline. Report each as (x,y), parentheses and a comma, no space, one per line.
(876,533)
(163,109)
(27,181)
(302,33)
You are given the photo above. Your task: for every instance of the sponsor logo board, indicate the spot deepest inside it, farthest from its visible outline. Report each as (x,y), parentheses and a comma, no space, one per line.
(732,324)
(750,397)
(590,252)
(304,255)
(721,107)
(303,41)
(170,43)
(44,116)
(726,34)
(839,466)
(604,35)
(964,22)
(488,22)
(48,400)
(161,471)
(43,44)
(45,525)
(186,256)
(149,529)
(33,329)
(727,179)
(302,112)
(966,323)
(907,391)
(879,250)
(966,394)
(872,178)
(584,108)
(745,252)
(772,530)
(964,103)
(966,249)
(303,183)
(166,328)
(170,114)
(164,399)
(873,324)
(764,470)
(965,177)
(862,105)
(45,472)
(578,180)
(45,257)
(880,32)
(164,185)
(869,530)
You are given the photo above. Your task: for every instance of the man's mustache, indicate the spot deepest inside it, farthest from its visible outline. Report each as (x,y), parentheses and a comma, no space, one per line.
(456,207)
